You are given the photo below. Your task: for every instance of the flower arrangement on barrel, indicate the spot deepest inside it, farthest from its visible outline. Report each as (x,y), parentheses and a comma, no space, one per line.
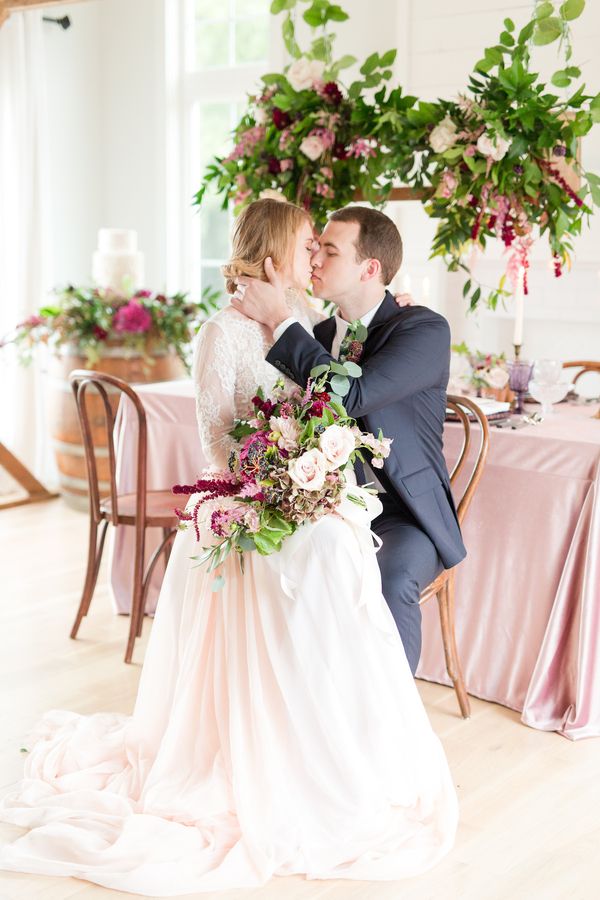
(492,164)
(93,319)
(292,463)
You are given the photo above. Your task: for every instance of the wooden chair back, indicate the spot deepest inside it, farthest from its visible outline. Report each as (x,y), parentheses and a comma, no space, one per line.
(585,365)
(461,407)
(86,382)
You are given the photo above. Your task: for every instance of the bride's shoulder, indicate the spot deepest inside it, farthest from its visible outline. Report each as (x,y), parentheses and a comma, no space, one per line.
(232,324)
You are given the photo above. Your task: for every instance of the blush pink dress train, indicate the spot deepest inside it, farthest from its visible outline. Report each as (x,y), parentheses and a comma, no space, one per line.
(277,728)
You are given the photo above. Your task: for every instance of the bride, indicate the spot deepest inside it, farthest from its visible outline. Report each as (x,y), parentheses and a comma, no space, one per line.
(277,728)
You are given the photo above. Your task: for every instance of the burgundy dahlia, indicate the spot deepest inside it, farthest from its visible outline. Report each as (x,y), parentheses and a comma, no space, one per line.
(281,119)
(274,165)
(99,333)
(339,151)
(332,93)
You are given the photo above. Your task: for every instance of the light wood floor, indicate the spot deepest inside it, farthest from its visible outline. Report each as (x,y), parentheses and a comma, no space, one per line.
(530,801)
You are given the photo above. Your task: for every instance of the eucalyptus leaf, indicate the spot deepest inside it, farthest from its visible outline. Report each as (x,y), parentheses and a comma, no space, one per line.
(278,6)
(352,369)
(217,584)
(340,385)
(572,9)
(345,62)
(543,10)
(338,368)
(319,370)
(546,31)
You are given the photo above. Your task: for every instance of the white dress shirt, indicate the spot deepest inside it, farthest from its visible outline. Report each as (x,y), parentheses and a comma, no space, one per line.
(341,327)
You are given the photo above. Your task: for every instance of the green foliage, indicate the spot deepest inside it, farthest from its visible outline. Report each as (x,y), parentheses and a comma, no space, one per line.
(498,174)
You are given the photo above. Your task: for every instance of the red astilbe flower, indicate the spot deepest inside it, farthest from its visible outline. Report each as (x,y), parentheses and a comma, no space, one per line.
(557,265)
(556,176)
(219,487)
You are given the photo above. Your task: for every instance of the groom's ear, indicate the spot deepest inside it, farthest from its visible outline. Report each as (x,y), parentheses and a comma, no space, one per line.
(371,270)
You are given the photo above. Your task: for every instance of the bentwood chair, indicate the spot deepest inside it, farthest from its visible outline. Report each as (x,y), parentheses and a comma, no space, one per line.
(140,510)
(584,365)
(444,585)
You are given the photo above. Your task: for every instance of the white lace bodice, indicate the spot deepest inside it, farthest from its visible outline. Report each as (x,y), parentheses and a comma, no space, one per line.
(229,365)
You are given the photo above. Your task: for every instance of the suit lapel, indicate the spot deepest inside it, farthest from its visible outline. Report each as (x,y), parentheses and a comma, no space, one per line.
(387,312)
(325,332)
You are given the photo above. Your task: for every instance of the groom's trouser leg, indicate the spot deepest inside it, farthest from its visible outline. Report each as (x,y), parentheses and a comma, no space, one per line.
(408,562)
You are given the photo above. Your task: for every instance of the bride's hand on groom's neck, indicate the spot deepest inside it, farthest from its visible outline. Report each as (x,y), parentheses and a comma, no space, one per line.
(263,301)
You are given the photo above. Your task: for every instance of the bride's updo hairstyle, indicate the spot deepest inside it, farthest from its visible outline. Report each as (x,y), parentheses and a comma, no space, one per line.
(264,228)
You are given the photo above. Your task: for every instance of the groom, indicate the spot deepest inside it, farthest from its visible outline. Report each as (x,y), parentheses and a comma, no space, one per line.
(402,391)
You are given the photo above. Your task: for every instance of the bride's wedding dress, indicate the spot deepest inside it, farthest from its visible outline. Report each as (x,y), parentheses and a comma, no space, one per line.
(277,728)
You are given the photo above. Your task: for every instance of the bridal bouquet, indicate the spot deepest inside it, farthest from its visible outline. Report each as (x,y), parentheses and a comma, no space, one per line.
(289,467)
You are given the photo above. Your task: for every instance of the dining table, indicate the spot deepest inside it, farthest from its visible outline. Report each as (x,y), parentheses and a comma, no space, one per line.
(527,598)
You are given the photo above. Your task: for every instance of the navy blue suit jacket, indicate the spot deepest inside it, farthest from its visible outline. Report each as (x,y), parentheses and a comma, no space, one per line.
(402,390)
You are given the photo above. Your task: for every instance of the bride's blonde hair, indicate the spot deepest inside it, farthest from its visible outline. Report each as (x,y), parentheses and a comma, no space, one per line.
(264,228)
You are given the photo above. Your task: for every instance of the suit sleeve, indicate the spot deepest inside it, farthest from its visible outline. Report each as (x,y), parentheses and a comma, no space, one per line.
(413,358)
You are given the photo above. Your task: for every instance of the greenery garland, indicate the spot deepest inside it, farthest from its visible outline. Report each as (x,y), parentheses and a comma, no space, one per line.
(492,164)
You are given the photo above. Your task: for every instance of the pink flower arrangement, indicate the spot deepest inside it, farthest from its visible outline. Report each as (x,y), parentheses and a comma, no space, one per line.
(132,318)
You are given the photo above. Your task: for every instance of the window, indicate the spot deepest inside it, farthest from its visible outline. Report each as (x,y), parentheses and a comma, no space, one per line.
(217,51)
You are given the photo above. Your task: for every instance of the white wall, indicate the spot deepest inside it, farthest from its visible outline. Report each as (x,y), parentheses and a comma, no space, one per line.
(106,126)
(106,95)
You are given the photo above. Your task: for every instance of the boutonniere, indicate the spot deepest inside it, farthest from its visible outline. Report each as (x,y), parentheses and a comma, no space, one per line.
(352,346)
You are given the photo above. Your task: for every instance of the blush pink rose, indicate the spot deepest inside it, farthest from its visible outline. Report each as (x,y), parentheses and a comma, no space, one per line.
(336,444)
(312,146)
(309,470)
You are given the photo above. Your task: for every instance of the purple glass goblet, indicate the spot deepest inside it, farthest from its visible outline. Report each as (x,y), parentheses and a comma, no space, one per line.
(518,381)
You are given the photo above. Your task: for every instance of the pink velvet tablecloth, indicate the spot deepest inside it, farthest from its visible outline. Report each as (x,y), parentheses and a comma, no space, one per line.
(528,594)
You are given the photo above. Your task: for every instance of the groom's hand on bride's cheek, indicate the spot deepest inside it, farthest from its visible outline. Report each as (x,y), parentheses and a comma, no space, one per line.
(404,299)
(263,301)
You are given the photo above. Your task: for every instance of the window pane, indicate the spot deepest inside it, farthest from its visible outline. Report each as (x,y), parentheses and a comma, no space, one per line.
(214,131)
(212,44)
(208,9)
(213,277)
(252,40)
(251,7)
(214,228)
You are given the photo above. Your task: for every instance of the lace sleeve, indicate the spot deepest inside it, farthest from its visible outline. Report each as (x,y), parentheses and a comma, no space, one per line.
(213,371)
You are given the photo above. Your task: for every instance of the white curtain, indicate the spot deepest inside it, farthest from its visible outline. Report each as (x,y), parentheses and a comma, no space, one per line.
(24,263)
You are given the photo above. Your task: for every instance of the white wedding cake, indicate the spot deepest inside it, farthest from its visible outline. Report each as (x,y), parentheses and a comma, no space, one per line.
(117,264)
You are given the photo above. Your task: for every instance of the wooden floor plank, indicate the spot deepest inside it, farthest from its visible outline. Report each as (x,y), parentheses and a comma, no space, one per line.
(530,801)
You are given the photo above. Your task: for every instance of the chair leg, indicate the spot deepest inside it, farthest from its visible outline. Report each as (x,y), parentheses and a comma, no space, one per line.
(95,550)
(446,607)
(164,548)
(137,595)
(168,544)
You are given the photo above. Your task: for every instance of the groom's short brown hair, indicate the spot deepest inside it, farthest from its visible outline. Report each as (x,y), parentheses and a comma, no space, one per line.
(378,238)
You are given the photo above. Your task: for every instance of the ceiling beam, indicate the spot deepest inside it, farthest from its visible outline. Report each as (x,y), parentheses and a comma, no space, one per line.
(8,6)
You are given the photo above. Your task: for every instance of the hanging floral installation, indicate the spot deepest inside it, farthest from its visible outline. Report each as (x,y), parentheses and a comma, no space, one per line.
(500,161)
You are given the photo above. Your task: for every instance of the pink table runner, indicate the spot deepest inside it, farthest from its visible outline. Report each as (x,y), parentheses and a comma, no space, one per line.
(528,594)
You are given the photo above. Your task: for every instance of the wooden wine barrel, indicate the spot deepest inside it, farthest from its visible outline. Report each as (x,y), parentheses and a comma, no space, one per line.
(62,410)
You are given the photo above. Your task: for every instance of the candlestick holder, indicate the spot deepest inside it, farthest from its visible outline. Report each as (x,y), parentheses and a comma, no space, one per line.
(518,381)
(517,351)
